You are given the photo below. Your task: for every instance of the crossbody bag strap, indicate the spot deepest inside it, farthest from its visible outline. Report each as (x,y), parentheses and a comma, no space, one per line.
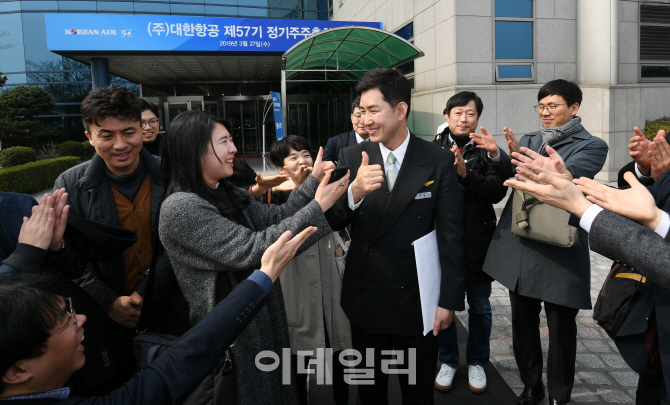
(157,251)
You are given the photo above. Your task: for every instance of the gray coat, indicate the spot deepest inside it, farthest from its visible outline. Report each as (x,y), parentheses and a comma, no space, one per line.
(312,290)
(539,270)
(203,244)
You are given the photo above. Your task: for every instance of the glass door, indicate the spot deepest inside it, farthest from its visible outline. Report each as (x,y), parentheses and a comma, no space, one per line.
(243,119)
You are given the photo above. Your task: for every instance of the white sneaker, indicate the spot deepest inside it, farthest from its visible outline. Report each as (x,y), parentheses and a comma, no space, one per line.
(445,377)
(476,379)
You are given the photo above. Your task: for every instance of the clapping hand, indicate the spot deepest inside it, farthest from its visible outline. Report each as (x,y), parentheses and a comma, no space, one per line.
(640,148)
(635,203)
(533,164)
(552,190)
(461,170)
(486,141)
(512,142)
(659,156)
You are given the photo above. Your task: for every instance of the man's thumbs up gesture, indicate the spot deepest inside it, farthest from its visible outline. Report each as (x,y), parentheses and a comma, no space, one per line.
(368,179)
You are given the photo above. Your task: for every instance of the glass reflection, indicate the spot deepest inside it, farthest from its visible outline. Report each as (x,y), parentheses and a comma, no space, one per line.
(514,40)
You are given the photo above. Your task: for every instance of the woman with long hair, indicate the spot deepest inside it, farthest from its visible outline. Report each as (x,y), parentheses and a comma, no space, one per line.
(215,235)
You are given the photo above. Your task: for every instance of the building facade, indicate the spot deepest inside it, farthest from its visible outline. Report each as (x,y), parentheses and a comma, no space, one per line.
(618,51)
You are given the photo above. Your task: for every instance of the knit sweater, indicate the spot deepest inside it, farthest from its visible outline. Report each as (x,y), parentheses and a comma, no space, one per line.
(201,244)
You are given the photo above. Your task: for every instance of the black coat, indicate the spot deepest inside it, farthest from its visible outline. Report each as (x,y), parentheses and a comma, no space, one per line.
(380,291)
(482,187)
(630,338)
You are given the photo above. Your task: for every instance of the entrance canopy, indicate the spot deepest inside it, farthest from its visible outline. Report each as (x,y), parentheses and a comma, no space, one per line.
(346,53)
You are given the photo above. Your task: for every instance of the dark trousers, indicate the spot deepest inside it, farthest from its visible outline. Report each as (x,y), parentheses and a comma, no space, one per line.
(426,355)
(528,348)
(340,387)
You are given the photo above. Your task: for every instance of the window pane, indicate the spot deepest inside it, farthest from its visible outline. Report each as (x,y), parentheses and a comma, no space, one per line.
(39,5)
(9,6)
(655,71)
(76,6)
(13,57)
(406,32)
(514,40)
(115,6)
(151,8)
(514,72)
(514,8)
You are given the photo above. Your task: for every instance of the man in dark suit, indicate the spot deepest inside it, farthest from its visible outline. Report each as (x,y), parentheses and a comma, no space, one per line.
(403,188)
(357,135)
(40,347)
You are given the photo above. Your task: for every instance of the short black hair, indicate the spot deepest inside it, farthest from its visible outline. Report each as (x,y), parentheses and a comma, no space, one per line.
(110,101)
(570,92)
(445,111)
(355,104)
(282,148)
(462,99)
(146,105)
(395,87)
(30,308)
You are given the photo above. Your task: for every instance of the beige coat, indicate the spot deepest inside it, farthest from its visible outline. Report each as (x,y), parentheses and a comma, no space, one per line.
(312,290)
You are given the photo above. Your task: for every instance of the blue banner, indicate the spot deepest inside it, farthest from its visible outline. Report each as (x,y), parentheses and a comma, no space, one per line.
(279,119)
(105,32)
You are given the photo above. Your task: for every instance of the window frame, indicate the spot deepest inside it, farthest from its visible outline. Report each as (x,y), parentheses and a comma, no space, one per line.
(515,62)
(641,63)
(410,76)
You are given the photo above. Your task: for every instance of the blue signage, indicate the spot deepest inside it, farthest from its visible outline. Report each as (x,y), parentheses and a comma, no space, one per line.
(104,32)
(279,120)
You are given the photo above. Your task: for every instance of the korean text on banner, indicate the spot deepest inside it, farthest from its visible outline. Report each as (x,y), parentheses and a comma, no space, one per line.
(279,120)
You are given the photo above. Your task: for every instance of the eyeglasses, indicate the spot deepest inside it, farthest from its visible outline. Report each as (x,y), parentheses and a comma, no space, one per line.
(71,311)
(550,107)
(152,122)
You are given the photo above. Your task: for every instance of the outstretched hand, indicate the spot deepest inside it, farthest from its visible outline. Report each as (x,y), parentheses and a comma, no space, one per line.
(554,191)
(327,194)
(277,256)
(485,141)
(533,164)
(38,229)
(635,203)
(299,176)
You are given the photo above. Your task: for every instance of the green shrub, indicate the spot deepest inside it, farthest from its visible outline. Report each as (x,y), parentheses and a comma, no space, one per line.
(71,148)
(17,155)
(651,128)
(89,150)
(33,177)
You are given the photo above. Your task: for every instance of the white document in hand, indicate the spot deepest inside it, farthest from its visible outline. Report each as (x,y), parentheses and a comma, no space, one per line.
(430,275)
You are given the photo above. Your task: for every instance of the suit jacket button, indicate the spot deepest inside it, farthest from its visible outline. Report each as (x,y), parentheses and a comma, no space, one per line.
(371,250)
(247,310)
(106,364)
(402,288)
(417,216)
(372,282)
(238,320)
(251,304)
(404,251)
(361,212)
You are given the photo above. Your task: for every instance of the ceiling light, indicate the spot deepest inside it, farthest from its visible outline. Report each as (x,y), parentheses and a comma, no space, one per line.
(154,65)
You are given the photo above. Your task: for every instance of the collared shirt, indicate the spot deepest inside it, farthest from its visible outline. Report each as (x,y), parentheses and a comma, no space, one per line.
(472,144)
(359,138)
(59,393)
(591,213)
(399,154)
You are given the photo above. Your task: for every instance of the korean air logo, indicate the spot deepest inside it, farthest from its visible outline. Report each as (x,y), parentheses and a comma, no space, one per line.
(71,32)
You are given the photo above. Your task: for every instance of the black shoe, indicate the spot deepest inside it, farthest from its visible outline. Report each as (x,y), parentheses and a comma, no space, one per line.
(531,395)
(552,401)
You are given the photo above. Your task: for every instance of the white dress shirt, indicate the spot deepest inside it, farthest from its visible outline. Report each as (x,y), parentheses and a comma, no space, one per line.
(399,154)
(359,138)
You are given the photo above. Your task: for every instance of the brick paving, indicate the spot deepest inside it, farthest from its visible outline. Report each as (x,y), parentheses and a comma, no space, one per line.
(601,377)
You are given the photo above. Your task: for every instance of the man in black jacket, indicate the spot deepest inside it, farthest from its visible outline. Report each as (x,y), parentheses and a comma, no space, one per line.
(122,186)
(357,135)
(482,187)
(40,346)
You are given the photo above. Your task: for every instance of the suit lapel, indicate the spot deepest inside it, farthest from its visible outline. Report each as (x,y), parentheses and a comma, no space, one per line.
(414,173)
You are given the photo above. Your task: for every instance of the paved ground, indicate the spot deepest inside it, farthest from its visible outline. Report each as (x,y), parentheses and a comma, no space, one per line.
(602,377)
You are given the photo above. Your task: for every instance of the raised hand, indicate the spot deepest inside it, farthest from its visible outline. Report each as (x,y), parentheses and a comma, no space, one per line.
(126,310)
(659,156)
(268,182)
(300,175)
(327,194)
(554,191)
(277,256)
(319,169)
(635,203)
(639,150)
(38,229)
(60,218)
(459,162)
(486,141)
(512,142)
(369,178)
(533,164)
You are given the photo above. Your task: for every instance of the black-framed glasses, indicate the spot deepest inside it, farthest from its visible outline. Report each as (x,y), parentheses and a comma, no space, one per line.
(550,107)
(152,122)
(71,311)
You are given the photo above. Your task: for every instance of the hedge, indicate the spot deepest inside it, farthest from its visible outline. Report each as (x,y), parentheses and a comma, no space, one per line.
(651,128)
(34,177)
(89,150)
(71,148)
(17,155)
